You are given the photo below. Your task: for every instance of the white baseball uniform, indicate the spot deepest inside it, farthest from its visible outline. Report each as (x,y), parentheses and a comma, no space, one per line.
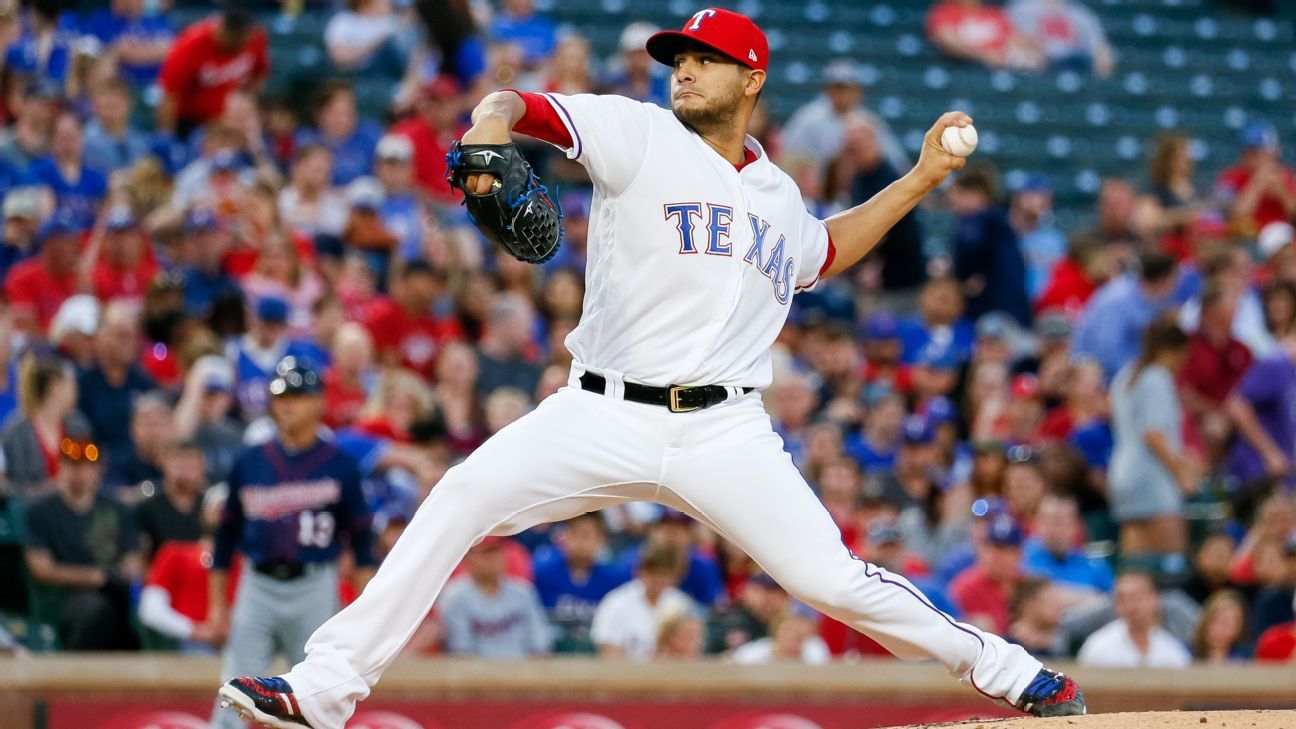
(692,264)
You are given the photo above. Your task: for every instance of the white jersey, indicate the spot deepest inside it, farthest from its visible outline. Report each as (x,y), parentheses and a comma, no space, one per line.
(692,263)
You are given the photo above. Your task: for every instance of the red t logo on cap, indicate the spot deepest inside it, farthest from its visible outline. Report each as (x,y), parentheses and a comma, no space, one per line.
(700,16)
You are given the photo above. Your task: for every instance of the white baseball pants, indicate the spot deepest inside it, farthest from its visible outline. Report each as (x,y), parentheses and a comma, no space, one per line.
(581,451)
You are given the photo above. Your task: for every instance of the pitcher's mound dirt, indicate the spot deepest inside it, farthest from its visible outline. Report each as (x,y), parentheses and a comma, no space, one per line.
(1149,720)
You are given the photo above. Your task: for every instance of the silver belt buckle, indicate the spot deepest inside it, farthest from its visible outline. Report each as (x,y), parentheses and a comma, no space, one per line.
(675,407)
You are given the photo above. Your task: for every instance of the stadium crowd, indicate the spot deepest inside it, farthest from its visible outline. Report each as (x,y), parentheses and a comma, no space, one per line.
(1082,439)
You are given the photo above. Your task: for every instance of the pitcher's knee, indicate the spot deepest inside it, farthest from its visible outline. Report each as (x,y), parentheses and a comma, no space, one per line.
(824,590)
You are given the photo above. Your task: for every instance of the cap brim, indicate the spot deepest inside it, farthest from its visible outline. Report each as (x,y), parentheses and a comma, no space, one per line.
(665,44)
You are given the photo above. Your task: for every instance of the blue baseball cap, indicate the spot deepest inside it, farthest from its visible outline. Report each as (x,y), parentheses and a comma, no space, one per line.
(941,410)
(1004,532)
(881,326)
(63,223)
(1034,182)
(200,219)
(918,431)
(1259,134)
(272,310)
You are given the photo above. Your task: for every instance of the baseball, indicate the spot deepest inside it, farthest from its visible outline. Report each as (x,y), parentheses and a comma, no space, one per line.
(960,141)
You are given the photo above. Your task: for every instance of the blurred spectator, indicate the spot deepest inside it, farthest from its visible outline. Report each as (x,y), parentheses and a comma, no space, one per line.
(405,330)
(435,124)
(792,638)
(1230,268)
(203,414)
(875,448)
(970,30)
(1171,201)
(402,210)
(505,348)
(28,136)
(82,553)
(568,69)
(120,258)
(46,47)
(368,36)
(200,255)
(47,396)
(107,389)
(37,286)
(1085,403)
(1043,245)
(1037,614)
(111,143)
(627,621)
(987,259)
(490,615)
(1110,328)
(1211,567)
(1263,408)
(209,60)
(1275,603)
(1258,189)
(1136,638)
(573,577)
(72,332)
(900,255)
(816,131)
(135,466)
(280,273)
(749,617)
(1221,630)
(699,575)
(309,203)
(1277,255)
(633,73)
(339,129)
(939,323)
(1089,263)
(351,376)
(174,602)
(23,212)
(519,24)
(137,37)
(1069,34)
(1151,474)
(982,591)
(680,637)
(1051,551)
(174,511)
(256,354)
(77,189)
(1216,361)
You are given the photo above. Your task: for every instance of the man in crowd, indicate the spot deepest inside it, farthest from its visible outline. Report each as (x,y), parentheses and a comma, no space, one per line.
(487,614)
(982,591)
(209,60)
(573,578)
(82,553)
(1110,328)
(817,130)
(627,620)
(1051,551)
(174,511)
(106,389)
(1135,639)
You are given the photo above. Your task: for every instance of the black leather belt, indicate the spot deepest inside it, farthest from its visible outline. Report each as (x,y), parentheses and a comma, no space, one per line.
(676,398)
(281,570)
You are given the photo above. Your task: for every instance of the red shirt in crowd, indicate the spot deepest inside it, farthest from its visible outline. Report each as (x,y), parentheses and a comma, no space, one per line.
(110,282)
(199,74)
(430,148)
(985,28)
(1269,209)
(416,339)
(34,292)
(342,403)
(1212,371)
(976,594)
(1068,289)
(1277,643)
(181,569)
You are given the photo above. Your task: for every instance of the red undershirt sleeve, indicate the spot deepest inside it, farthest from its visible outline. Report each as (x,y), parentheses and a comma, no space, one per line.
(541,121)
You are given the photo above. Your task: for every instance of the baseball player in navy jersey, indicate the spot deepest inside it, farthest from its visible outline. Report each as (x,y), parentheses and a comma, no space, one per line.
(294,503)
(697,244)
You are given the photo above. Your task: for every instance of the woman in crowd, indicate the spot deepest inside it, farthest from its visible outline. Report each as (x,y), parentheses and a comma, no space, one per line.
(1150,473)
(47,397)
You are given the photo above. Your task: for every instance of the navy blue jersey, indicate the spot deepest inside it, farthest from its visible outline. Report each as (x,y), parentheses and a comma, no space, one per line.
(294,508)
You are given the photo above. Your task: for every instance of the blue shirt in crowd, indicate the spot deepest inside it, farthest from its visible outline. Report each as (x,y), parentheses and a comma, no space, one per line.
(110,27)
(352,157)
(1110,328)
(1073,567)
(81,196)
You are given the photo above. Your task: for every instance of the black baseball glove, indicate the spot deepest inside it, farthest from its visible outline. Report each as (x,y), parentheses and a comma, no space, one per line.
(517,213)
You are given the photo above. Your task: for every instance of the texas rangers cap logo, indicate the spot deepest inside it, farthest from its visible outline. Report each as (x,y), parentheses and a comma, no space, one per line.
(728,33)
